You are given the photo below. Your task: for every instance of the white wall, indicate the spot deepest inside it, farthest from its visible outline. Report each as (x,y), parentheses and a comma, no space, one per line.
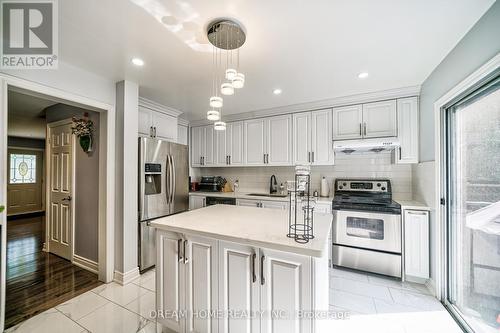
(478,46)
(126,227)
(256,179)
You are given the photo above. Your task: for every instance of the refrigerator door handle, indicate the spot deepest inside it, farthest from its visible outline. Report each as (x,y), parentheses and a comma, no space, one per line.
(172,183)
(167,179)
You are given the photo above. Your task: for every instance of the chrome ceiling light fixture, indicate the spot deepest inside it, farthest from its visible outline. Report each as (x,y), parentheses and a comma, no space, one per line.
(226,36)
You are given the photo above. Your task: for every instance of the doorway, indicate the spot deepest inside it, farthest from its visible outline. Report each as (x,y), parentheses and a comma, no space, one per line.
(472,228)
(46,263)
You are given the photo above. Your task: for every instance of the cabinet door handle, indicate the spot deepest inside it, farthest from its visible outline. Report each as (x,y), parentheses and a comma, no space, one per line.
(262,278)
(416,213)
(229,159)
(179,255)
(399,152)
(312,157)
(203,160)
(308,156)
(254,276)
(365,128)
(151,131)
(264,158)
(360,129)
(267,158)
(186,260)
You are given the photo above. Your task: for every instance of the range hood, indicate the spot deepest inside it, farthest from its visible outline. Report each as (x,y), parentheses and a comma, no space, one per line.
(365,145)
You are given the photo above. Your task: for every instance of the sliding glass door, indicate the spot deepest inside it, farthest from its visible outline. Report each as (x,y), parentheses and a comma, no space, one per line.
(473,213)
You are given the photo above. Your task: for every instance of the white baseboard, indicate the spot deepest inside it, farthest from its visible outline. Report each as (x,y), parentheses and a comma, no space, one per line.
(127,277)
(85,263)
(431,285)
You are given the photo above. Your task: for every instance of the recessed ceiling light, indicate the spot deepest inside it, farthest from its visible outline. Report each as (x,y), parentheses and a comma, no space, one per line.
(277,91)
(138,61)
(363,75)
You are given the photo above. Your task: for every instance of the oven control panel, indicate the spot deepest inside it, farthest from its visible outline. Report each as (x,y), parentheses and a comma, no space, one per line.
(363,185)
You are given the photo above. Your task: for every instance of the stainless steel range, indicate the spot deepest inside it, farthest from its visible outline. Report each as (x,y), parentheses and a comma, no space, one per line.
(367,226)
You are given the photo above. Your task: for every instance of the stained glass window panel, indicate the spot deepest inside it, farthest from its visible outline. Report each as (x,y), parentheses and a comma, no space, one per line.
(22,169)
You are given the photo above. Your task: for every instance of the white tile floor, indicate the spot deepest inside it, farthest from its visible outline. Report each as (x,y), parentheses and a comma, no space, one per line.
(372,304)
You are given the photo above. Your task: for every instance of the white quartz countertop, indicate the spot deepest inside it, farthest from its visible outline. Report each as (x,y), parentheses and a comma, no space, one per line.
(412,204)
(260,227)
(247,195)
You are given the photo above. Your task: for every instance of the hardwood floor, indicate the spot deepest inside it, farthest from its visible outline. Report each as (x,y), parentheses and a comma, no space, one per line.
(37,280)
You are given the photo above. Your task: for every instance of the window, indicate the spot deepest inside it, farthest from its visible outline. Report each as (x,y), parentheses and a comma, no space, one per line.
(22,169)
(473,217)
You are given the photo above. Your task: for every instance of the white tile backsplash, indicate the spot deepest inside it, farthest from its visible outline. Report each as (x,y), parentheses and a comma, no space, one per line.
(256,179)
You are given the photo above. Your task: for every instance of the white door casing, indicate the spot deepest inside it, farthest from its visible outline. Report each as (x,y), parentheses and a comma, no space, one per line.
(60,197)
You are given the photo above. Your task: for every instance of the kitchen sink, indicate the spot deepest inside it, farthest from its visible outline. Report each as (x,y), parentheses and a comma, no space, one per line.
(268,195)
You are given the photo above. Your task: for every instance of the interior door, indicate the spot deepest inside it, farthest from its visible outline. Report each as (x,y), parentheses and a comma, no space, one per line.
(25,181)
(239,286)
(60,210)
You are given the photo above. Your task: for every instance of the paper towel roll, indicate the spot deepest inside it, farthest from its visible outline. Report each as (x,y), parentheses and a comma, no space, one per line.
(325,190)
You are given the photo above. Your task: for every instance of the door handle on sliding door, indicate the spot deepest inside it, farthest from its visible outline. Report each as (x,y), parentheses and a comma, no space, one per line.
(254,276)
(179,255)
(262,278)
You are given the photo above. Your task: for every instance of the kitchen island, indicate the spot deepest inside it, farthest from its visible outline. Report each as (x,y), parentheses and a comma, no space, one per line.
(232,269)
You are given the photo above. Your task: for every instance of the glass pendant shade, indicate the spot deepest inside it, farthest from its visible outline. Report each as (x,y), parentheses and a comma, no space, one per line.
(239,81)
(227,89)
(220,126)
(231,74)
(213,115)
(216,102)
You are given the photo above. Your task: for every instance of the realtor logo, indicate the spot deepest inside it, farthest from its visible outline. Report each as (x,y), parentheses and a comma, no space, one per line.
(29,34)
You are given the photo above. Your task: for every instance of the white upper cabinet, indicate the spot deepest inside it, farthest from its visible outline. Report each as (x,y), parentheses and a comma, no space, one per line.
(234,143)
(279,140)
(156,124)
(182,134)
(209,158)
(145,122)
(407,130)
(312,138)
(197,146)
(347,122)
(321,137)
(254,147)
(221,148)
(379,119)
(302,138)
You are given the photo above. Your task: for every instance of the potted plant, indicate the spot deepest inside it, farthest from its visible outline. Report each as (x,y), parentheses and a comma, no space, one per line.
(1,208)
(84,130)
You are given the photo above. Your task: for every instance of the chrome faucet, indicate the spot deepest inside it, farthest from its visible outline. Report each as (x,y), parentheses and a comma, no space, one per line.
(273,185)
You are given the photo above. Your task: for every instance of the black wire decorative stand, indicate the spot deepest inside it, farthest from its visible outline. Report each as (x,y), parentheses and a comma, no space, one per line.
(300,228)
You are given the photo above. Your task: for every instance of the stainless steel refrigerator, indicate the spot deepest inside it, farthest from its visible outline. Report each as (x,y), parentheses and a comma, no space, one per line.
(163,189)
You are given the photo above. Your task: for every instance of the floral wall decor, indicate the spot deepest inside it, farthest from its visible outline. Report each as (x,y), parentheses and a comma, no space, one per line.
(84,129)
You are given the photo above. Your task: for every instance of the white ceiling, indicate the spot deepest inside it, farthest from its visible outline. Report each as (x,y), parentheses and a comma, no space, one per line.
(26,117)
(312,50)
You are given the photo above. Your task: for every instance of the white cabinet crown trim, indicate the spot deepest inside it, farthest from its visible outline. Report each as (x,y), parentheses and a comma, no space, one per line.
(149,104)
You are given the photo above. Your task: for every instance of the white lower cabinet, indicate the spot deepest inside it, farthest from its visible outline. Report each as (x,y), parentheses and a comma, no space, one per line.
(197,277)
(186,282)
(286,289)
(262,203)
(416,245)
(239,284)
(196,201)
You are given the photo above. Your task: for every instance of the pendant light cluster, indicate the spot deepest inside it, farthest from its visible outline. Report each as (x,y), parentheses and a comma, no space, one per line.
(226,37)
